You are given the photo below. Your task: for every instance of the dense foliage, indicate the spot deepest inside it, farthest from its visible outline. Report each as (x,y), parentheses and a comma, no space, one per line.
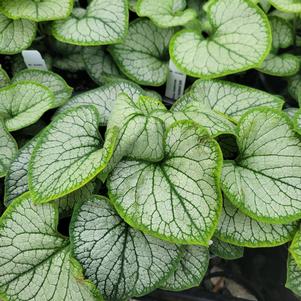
(151,189)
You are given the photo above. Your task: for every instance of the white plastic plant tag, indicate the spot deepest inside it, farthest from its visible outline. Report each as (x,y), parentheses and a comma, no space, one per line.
(175,82)
(33,59)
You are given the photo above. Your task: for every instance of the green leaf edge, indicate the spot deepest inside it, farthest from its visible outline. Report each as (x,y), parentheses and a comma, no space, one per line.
(5,76)
(248,244)
(295,122)
(276,98)
(221,114)
(279,7)
(138,5)
(67,88)
(50,94)
(220,74)
(229,257)
(287,283)
(218,170)
(296,245)
(239,204)
(192,284)
(113,133)
(60,38)
(76,268)
(131,77)
(285,23)
(100,198)
(16,149)
(27,45)
(5,193)
(107,78)
(284,56)
(13,17)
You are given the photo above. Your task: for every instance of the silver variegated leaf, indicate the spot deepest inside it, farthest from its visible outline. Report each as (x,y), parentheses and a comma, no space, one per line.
(37,11)
(35,259)
(61,90)
(143,55)
(293,278)
(8,149)
(241,230)
(121,261)
(23,103)
(68,154)
(239,39)
(264,181)
(16,182)
(177,199)
(99,64)
(102,22)
(140,130)
(228,98)
(190,270)
(4,78)
(225,250)
(166,13)
(15,35)
(103,98)
(289,6)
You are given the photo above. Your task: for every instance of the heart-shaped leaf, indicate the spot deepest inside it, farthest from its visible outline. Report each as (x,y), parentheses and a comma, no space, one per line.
(103,22)
(68,154)
(190,270)
(264,181)
(289,6)
(35,261)
(177,199)
(215,123)
(293,278)
(104,97)
(280,65)
(99,64)
(282,32)
(37,11)
(240,39)
(143,55)
(227,98)
(239,229)
(282,37)
(166,13)
(15,35)
(4,78)
(8,149)
(225,250)
(138,130)
(23,103)
(121,261)
(16,182)
(53,81)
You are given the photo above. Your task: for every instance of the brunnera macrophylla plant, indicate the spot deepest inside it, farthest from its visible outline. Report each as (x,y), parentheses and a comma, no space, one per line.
(149,190)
